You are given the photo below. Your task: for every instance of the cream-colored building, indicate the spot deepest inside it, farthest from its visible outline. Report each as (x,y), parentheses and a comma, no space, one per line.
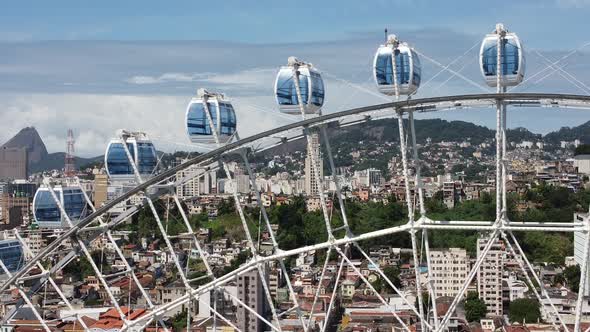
(449,270)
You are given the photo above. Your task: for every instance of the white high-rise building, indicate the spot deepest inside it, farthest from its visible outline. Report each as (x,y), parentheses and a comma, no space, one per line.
(202,182)
(242,181)
(449,270)
(312,187)
(489,275)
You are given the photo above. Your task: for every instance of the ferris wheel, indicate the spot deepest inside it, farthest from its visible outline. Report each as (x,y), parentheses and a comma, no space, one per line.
(210,120)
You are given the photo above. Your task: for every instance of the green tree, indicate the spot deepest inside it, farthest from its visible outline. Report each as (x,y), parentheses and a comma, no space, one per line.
(572,276)
(179,320)
(475,308)
(524,310)
(392,273)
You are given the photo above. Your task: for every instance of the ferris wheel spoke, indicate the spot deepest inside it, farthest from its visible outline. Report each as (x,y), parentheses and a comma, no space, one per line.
(274,242)
(474,270)
(372,288)
(519,258)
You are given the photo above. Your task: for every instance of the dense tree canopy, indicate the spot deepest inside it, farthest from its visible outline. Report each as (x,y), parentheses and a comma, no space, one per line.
(524,310)
(475,308)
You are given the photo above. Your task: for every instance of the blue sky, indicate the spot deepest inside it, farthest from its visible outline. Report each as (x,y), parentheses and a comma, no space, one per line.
(104,65)
(285,21)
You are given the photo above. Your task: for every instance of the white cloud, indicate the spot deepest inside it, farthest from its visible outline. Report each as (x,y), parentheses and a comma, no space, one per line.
(96,118)
(166,78)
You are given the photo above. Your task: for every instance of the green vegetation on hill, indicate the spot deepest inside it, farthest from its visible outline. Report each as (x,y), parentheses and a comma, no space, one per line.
(299,227)
(581,132)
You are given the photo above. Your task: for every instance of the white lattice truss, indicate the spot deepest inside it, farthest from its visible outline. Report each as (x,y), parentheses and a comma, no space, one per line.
(94,227)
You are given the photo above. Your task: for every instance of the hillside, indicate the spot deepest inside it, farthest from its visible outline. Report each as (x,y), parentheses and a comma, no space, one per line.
(437,130)
(581,132)
(56,161)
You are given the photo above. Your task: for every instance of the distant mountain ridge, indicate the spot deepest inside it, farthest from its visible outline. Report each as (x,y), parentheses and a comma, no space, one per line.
(29,138)
(437,130)
(39,159)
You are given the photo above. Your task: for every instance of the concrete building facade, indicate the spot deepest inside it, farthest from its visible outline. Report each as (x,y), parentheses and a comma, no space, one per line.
(489,275)
(449,270)
(13,163)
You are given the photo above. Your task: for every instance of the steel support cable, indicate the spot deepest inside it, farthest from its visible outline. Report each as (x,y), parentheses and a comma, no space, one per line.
(467,282)
(313,152)
(121,256)
(252,265)
(243,218)
(357,86)
(419,187)
(312,149)
(346,225)
(26,298)
(553,64)
(554,315)
(350,97)
(583,280)
(465,64)
(317,291)
(453,72)
(558,68)
(84,249)
(364,279)
(499,115)
(449,65)
(61,295)
(334,292)
(403,150)
(274,242)
(183,277)
(118,250)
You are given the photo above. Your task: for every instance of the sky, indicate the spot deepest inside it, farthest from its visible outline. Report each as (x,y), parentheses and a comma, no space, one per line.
(100,66)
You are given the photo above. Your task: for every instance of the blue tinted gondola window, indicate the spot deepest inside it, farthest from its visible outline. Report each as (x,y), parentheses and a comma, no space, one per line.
(75,204)
(383,69)
(117,161)
(317,92)
(286,93)
(228,119)
(402,66)
(11,254)
(146,158)
(509,58)
(417,76)
(197,122)
(510,54)
(46,209)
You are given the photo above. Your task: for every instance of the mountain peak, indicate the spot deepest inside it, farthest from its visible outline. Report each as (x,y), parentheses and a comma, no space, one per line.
(29,138)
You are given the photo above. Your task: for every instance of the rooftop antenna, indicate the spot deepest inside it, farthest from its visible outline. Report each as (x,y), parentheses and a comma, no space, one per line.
(386,35)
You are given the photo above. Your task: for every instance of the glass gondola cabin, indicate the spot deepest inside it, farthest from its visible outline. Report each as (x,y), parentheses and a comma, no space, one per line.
(512,58)
(47,213)
(11,254)
(222,114)
(311,86)
(142,152)
(407,68)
